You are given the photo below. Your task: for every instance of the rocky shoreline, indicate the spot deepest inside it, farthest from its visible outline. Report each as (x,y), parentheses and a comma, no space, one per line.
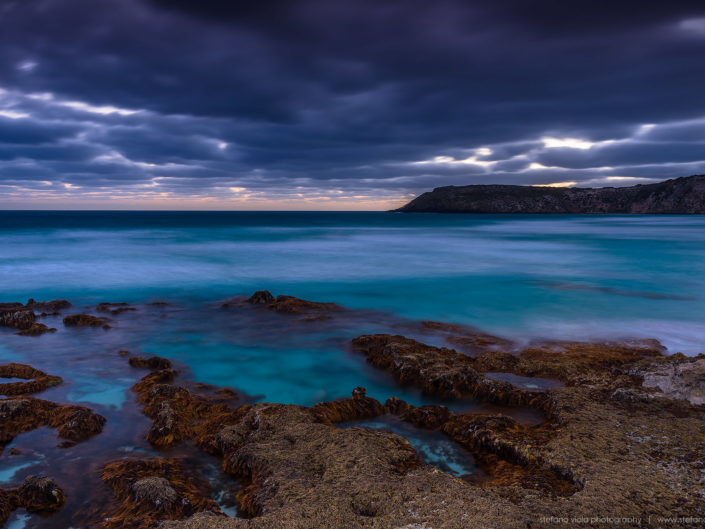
(622,433)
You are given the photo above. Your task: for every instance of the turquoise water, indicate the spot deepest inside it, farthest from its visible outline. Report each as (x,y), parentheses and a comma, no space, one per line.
(522,276)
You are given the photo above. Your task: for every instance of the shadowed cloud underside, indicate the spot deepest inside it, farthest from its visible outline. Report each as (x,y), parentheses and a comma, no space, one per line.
(340,105)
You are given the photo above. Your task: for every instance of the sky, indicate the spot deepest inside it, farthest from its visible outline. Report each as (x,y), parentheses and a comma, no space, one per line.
(345,104)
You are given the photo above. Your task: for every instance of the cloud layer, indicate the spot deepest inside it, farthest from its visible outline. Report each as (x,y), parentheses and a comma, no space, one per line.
(317,104)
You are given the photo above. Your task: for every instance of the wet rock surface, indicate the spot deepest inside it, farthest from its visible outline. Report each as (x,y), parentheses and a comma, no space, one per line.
(153,362)
(86,320)
(16,316)
(36,380)
(38,495)
(309,310)
(683,380)
(49,307)
(440,372)
(23,318)
(177,413)
(22,414)
(261,297)
(152,490)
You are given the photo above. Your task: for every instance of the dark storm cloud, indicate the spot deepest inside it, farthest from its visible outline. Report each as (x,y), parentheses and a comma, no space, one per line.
(376,98)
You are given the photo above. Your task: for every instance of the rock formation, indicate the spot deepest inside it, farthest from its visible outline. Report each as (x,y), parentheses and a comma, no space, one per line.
(86,320)
(38,495)
(152,490)
(36,380)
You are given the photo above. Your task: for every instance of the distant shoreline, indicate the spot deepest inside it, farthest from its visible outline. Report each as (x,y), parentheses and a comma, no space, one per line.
(679,196)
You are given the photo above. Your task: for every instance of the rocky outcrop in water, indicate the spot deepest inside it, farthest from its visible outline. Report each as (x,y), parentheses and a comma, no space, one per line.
(439,371)
(177,413)
(153,362)
(678,196)
(152,490)
(22,414)
(86,320)
(53,307)
(37,495)
(23,319)
(36,380)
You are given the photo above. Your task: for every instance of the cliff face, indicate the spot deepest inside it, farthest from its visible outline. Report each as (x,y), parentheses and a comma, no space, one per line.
(678,196)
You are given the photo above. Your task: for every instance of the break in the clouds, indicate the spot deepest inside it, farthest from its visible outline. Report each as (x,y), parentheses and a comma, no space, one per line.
(348,104)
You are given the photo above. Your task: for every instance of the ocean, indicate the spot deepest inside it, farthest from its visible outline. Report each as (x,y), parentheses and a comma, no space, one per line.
(519,277)
(525,278)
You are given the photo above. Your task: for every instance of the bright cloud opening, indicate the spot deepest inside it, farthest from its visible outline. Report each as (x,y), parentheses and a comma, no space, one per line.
(12,114)
(557,184)
(103,110)
(569,143)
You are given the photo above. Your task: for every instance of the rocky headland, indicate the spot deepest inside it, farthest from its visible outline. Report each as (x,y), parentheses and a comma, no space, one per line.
(684,195)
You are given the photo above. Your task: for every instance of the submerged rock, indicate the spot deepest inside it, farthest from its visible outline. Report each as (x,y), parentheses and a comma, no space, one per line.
(38,495)
(115,308)
(468,339)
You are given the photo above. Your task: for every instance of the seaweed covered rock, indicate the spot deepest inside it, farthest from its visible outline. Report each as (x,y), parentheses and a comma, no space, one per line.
(152,490)
(440,371)
(22,414)
(38,495)
(49,307)
(85,320)
(261,297)
(24,320)
(37,329)
(177,413)
(36,380)
(582,362)
(16,316)
(357,408)
(283,453)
